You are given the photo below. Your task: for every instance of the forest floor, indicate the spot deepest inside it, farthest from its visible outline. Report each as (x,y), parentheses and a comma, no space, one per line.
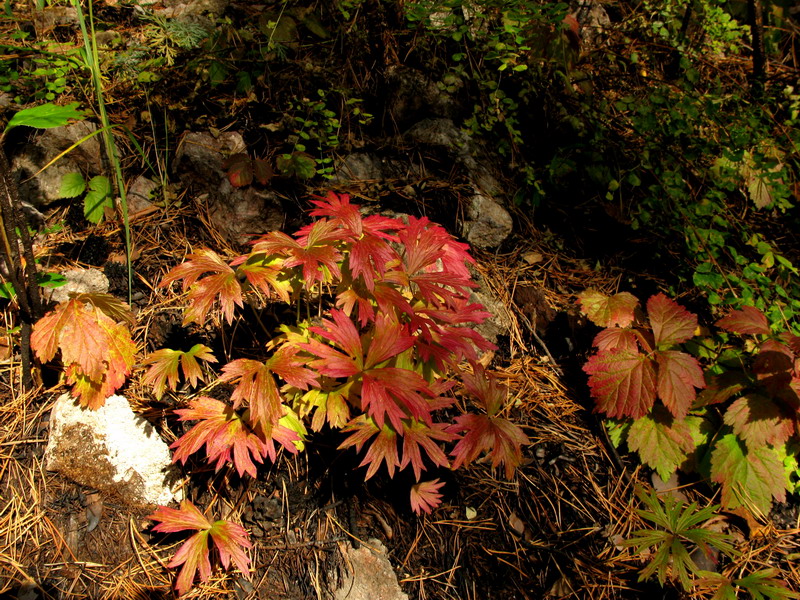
(553,531)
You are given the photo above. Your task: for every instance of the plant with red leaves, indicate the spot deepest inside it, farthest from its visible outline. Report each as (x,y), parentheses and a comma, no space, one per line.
(388,354)
(741,430)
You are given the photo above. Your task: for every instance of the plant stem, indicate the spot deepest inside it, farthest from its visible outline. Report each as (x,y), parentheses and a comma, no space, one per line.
(93,62)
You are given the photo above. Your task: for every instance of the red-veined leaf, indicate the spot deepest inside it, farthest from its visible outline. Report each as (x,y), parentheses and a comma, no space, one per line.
(221,285)
(224,433)
(230,540)
(164,367)
(609,311)
(746,320)
(425,496)
(678,376)
(623,383)
(672,324)
(617,337)
(382,449)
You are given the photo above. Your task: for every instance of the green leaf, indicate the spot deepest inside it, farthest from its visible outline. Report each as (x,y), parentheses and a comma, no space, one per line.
(662,442)
(749,478)
(72,185)
(98,198)
(45,116)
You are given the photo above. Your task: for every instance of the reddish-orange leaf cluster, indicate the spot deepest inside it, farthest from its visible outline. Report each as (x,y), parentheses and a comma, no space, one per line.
(96,350)
(229,539)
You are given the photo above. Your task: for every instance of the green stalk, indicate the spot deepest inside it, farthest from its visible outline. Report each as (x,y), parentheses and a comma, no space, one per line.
(93,62)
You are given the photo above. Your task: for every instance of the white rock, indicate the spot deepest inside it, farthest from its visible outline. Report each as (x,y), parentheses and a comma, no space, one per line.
(80,281)
(111,450)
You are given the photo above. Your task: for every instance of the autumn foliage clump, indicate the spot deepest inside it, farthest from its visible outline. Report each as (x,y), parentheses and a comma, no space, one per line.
(391,351)
(725,406)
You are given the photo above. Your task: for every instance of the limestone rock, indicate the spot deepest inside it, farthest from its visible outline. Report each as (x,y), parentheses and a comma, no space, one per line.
(412,96)
(368,575)
(111,450)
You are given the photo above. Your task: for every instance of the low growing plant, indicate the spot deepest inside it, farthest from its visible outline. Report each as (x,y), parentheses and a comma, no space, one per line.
(389,355)
(738,431)
(679,532)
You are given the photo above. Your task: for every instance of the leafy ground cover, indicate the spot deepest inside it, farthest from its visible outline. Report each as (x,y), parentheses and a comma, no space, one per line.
(659,159)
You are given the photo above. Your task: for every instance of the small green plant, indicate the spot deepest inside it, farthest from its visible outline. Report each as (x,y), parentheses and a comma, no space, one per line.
(738,432)
(677,532)
(676,535)
(97,199)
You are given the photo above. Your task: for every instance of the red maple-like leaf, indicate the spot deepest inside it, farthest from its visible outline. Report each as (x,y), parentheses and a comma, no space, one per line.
(229,539)
(265,273)
(382,449)
(418,435)
(226,436)
(425,496)
(255,383)
(609,311)
(623,383)
(221,285)
(497,436)
(164,367)
(97,351)
(672,324)
(678,376)
(747,320)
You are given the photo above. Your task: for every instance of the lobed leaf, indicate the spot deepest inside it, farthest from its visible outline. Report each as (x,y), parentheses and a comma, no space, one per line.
(662,442)
(749,477)
(677,377)
(221,285)
(758,421)
(623,383)
(425,496)
(747,320)
(609,311)
(672,324)
(500,438)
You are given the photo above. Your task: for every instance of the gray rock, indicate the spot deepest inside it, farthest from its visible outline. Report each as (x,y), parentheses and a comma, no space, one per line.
(79,281)
(412,96)
(238,213)
(182,8)
(487,224)
(443,133)
(110,450)
(364,166)
(140,194)
(244,213)
(500,321)
(41,189)
(368,575)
